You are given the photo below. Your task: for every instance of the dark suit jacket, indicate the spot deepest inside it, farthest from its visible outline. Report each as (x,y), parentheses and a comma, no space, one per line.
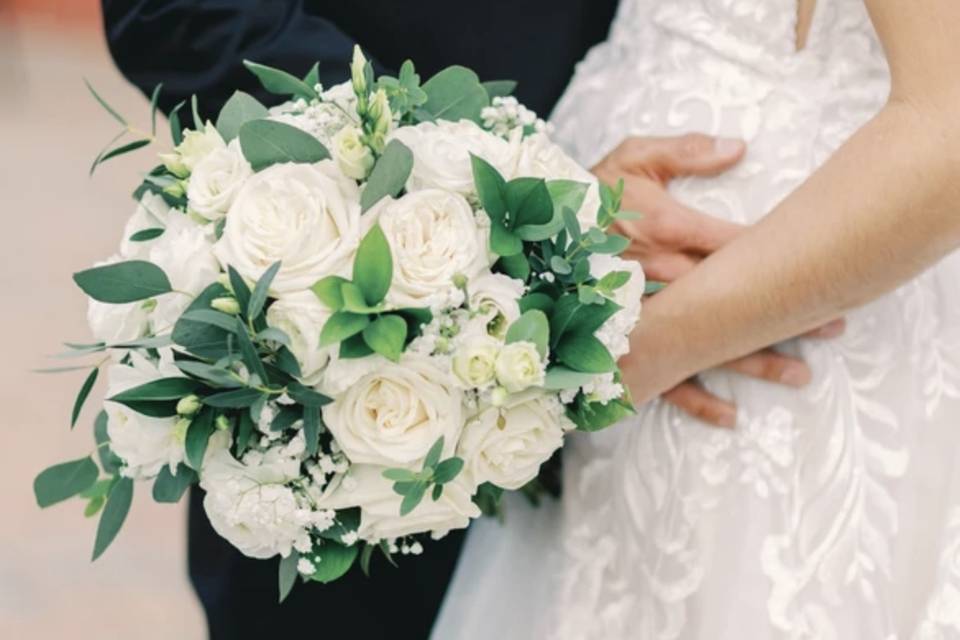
(196,47)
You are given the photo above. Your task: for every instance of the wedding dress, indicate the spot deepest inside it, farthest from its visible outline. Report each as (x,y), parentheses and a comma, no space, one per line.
(829,512)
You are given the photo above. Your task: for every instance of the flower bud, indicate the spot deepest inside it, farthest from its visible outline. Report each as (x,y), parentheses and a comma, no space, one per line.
(499,397)
(353,157)
(189,405)
(460,281)
(180,430)
(227,305)
(358,72)
(223,423)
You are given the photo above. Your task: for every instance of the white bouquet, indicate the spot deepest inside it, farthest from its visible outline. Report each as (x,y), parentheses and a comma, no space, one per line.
(352,319)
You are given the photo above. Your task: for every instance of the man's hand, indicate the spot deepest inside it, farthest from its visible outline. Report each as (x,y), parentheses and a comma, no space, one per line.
(671,239)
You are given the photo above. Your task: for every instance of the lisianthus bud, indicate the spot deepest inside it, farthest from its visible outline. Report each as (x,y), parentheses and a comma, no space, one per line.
(353,157)
(223,423)
(188,405)
(381,119)
(227,305)
(196,145)
(358,72)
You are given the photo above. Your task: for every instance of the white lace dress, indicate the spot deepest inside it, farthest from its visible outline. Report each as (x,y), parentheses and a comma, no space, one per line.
(829,513)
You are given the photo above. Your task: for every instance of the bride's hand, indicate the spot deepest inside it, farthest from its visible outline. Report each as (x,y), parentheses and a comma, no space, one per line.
(672,238)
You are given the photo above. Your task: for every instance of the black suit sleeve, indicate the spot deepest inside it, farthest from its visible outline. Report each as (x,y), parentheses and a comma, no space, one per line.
(198,46)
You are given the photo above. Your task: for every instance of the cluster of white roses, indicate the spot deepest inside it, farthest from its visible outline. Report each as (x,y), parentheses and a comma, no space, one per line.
(461,389)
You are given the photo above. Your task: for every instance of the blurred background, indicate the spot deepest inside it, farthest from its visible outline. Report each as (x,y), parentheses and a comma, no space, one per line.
(57,220)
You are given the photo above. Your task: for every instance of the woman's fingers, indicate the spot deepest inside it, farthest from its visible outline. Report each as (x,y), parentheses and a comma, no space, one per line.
(699,403)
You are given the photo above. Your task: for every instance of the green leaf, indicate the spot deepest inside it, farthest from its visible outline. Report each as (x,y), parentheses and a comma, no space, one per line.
(313,76)
(265,142)
(93,506)
(386,335)
(594,416)
(118,151)
(65,480)
(100,488)
(529,202)
(389,175)
(201,339)
(259,296)
(198,436)
(568,194)
(559,378)
(103,103)
(437,492)
(447,470)
(173,118)
(354,300)
(399,475)
(333,560)
(240,109)
(208,373)
(288,574)
(82,396)
(354,347)
(123,282)
(244,431)
(213,318)
(342,325)
(147,234)
(613,244)
(413,498)
(373,266)
(589,318)
(286,417)
(274,335)
(365,557)
(536,300)
(280,82)
(311,429)
(169,488)
(347,521)
(613,280)
(653,287)
(503,242)
(560,266)
(307,396)
(454,94)
(499,88)
(532,326)
(235,399)
(153,408)
(584,352)
(110,462)
(114,514)
(328,291)
(240,289)
(163,389)
(516,266)
(153,107)
(249,352)
(433,456)
(491,189)
(198,123)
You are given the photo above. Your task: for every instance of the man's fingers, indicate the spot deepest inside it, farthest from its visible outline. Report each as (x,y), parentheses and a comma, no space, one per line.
(773,367)
(703,405)
(833,329)
(693,154)
(704,233)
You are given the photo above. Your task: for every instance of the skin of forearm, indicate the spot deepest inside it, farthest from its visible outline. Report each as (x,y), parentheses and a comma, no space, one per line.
(882,209)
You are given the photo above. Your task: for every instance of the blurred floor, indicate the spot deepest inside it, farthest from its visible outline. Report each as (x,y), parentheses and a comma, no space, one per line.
(55,220)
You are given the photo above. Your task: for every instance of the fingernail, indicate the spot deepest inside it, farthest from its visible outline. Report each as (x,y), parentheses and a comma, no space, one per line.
(728,146)
(795,375)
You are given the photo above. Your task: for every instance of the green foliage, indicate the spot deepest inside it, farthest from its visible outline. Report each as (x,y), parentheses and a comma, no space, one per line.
(103,103)
(387,336)
(240,109)
(342,325)
(287,576)
(259,296)
(312,422)
(109,461)
(328,292)
(280,82)
(454,93)
(235,399)
(123,282)
(532,326)
(332,560)
(82,395)
(265,142)
(403,92)
(201,338)
(145,235)
(65,480)
(114,513)
(584,352)
(169,488)
(594,416)
(198,436)
(559,378)
(389,175)
(435,473)
(499,88)
(373,266)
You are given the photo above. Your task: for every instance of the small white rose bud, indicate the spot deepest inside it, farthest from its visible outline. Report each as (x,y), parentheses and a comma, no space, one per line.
(353,157)
(499,397)
(460,281)
(474,363)
(227,305)
(519,366)
(188,405)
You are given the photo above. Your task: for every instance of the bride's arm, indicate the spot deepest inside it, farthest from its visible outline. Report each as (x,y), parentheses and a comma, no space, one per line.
(883,208)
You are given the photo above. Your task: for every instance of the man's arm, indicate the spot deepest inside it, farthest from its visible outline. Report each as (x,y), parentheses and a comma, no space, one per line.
(198,46)
(882,209)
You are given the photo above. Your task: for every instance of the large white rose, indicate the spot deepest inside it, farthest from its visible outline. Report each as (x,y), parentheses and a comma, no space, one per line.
(250,505)
(541,158)
(380,518)
(394,413)
(441,154)
(507,445)
(615,332)
(216,180)
(301,316)
(497,297)
(433,236)
(185,253)
(308,216)
(145,444)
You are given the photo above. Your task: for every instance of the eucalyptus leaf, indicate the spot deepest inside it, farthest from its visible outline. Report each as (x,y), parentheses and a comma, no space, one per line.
(287,575)
(516,266)
(455,93)
(114,514)
(240,289)
(172,388)
(265,142)
(311,429)
(145,235)
(65,480)
(499,88)
(109,461)
(103,103)
(491,188)
(280,82)
(240,109)
(328,292)
(389,175)
(559,378)
(433,455)
(531,326)
(333,560)
(447,470)
(123,282)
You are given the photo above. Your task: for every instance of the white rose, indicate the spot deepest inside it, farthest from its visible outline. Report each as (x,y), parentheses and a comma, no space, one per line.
(507,446)
(441,154)
(151,213)
(353,157)
(379,504)
(497,297)
(519,366)
(216,180)
(433,236)
(615,332)
(308,216)
(301,316)
(541,158)
(195,146)
(185,253)
(250,505)
(145,444)
(474,361)
(396,412)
